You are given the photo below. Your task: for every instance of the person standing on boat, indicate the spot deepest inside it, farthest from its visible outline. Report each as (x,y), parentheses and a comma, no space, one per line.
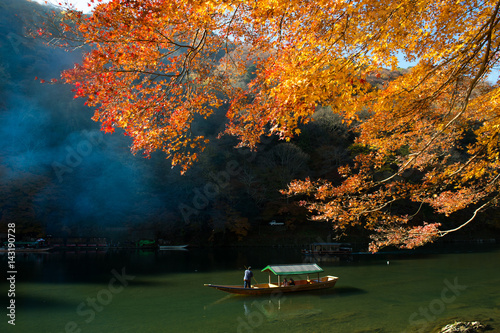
(247,279)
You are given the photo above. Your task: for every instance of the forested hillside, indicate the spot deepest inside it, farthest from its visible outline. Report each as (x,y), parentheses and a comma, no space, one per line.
(62,176)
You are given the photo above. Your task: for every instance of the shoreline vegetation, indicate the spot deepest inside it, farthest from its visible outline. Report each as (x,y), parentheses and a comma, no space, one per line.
(359,248)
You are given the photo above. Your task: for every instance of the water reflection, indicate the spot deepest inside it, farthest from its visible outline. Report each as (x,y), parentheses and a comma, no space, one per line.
(316,258)
(282,308)
(370,295)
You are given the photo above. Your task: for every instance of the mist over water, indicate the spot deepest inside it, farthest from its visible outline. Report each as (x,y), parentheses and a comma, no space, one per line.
(62,176)
(57,167)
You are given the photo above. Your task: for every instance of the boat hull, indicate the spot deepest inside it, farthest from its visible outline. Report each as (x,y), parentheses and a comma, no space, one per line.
(26,250)
(266,288)
(173,247)
(326,253)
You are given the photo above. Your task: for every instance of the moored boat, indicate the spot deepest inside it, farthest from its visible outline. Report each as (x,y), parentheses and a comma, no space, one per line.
(25,250)
(307,284)
(36,246)
(328,249)
(173,247)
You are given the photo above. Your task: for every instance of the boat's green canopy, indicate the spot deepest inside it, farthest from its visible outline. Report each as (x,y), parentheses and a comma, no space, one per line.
(293,269)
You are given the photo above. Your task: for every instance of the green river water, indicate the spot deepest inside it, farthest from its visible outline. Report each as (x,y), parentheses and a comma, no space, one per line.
(140,291)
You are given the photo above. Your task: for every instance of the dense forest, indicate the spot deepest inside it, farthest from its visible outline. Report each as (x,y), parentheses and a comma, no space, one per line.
(62,176)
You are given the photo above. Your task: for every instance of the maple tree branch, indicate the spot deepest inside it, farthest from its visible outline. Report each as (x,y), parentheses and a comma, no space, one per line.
(379,207)
(192,54)
(182,46)
(229,27)
(165,55)
(476,211)
(473,157)
(464,62)
(494,180)
(445,232)
(156,74)
(418,210)
(472,85)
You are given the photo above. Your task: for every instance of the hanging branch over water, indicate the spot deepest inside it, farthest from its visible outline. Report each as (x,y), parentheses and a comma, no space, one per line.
(151,70)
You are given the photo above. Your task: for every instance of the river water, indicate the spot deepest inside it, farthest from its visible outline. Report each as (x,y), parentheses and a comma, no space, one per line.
(140,291)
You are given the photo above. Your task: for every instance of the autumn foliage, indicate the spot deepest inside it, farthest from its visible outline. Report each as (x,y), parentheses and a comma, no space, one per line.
(429,137)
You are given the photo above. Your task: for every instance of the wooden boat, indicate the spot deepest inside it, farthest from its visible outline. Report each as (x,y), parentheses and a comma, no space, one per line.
(26,250)
(307,284)
(328,249)
(37,246)
(173,247)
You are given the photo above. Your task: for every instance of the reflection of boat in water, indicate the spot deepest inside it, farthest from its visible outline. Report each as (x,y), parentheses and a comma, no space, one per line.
(325,259)
(278,309)
(174,247)
(284,270)
(327,249)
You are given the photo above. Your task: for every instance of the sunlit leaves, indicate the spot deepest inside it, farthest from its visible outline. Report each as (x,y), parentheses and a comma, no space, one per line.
(151,69)
(406,237)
